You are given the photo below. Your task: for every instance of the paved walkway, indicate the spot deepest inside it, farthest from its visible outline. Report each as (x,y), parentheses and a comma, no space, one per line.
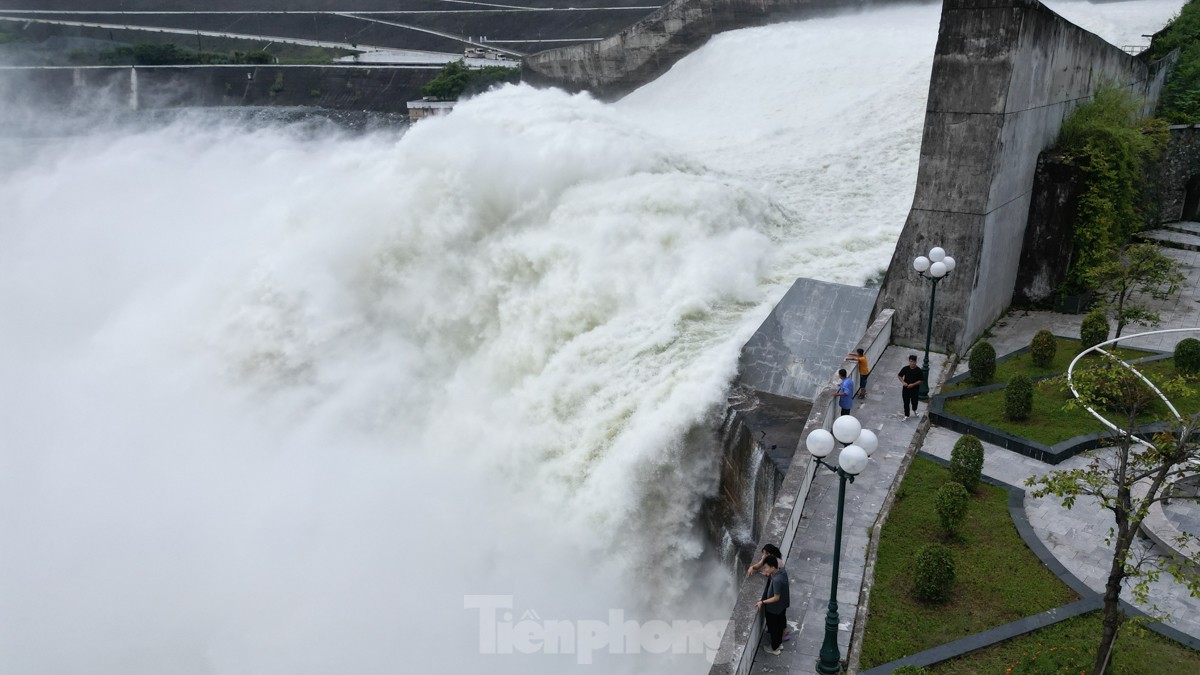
(810,565)
(1074,536)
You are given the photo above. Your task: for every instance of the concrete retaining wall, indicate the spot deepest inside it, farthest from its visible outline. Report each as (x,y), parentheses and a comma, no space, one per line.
(619,64)
(378,89)
(742,635)
(1178,170)
(1006,73)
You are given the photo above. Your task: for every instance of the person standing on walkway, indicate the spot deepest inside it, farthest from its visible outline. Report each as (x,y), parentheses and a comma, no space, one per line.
(775,600)
(863,370)
(910,384)
(767,550)
(845,392)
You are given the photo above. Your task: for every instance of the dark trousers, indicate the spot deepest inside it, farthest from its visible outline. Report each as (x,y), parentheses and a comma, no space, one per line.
(910,396)
(862,384)
(775,626)
(845,411)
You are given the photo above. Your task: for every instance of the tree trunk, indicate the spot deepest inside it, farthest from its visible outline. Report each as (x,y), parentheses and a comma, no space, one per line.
(1112,605)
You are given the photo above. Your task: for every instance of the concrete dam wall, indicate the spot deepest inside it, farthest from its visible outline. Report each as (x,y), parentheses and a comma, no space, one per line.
(1006,73)
(379,89)
(619,64)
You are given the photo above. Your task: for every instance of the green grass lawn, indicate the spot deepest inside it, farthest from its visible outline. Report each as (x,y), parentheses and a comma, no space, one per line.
(1134,655)
(1051,421)
(999,580)
(1068,348)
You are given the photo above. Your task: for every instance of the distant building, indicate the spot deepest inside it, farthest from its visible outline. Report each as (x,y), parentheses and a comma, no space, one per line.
(419,110)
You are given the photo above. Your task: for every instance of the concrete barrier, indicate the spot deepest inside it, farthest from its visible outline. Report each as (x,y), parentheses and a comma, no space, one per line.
(742,635)
(1006,73)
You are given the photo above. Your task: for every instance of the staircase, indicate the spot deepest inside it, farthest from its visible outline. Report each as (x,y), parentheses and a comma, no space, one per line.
(1183,234)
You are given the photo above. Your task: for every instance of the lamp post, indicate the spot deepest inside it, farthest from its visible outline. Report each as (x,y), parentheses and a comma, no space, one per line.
(859,444)
(935,267)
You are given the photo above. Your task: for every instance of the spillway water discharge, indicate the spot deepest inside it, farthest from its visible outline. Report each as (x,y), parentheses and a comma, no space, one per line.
(277,401)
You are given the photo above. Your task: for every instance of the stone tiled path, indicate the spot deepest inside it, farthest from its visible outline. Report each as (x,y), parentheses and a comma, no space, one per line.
(810,565)
(1076,537)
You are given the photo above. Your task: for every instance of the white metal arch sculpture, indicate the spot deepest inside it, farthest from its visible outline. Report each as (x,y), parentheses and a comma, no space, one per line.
(1098,348)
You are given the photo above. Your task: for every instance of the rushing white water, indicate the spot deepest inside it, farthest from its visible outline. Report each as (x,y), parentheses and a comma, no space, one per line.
(276,402)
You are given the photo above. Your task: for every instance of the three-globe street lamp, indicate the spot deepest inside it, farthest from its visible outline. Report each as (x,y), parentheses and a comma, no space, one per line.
(934,267)
(859,444)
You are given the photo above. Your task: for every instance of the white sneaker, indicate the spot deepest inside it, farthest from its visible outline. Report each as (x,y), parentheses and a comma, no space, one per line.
(775,652)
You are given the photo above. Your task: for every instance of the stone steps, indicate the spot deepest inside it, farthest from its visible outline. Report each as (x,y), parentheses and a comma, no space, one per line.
(1173,237)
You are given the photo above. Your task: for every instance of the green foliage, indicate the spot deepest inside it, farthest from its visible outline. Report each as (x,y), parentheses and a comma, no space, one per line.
(1187,356)
(455,79)
(951,502)
(1111,143)
(966,462)
(1140,269)
(1042,348)
(1180,100)
(911,670)
(153,54)
(1018,398)
(933,573)
(1093,330)
(276,86)
(982,362)
(1049,661)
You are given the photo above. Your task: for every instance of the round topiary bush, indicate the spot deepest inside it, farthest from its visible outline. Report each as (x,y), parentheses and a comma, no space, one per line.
(933,573)
(1187,356)
(982,362)
(966,462)
(951,502)
(1018,398)
(1042,348)
(1093,330)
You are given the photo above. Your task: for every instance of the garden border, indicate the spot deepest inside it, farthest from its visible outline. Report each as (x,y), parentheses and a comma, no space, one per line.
(1089,600)
(1049,454)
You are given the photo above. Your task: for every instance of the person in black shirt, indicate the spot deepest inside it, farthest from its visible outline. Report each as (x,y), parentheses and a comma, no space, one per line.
(910,384)
(776,598)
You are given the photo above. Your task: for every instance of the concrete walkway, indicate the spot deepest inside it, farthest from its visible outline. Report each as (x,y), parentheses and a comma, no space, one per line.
(1076,537)
(810,565)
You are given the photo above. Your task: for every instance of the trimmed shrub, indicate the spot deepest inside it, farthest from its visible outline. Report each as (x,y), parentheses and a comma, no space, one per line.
(1042,348)
(933,574)
(1187,356)
(1018,398)
(1093,330)
(951,502)
(966,462)
(982,362)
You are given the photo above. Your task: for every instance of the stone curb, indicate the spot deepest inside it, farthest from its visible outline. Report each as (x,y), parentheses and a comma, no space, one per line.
(1050,454)
(1089,600)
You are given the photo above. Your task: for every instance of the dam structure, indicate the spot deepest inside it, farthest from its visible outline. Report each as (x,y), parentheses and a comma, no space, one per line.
(1006,74)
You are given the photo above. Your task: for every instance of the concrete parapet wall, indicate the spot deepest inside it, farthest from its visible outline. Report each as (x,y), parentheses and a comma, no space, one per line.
(374,88)
(1006,73)
(742,635)
(619,64)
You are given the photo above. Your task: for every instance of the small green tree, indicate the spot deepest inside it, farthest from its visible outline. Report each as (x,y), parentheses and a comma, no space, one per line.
(1018,398)
(933,573)
(951,502)
(982,362)
(1110,479)
(1140,269)
(1093,330)
(966,462)
(450,81)
(1042,348)
(1187,356)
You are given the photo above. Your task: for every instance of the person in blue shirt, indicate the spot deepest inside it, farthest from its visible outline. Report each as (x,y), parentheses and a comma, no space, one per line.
(845,392)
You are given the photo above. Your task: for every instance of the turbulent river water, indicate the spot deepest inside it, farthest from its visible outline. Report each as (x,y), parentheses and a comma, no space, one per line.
(279,399)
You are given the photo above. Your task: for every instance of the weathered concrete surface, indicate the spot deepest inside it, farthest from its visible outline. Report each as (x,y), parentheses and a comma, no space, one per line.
(619,64)
(805,339)
(375,88)
(1050,231)
(1006,73)
(1179,175)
